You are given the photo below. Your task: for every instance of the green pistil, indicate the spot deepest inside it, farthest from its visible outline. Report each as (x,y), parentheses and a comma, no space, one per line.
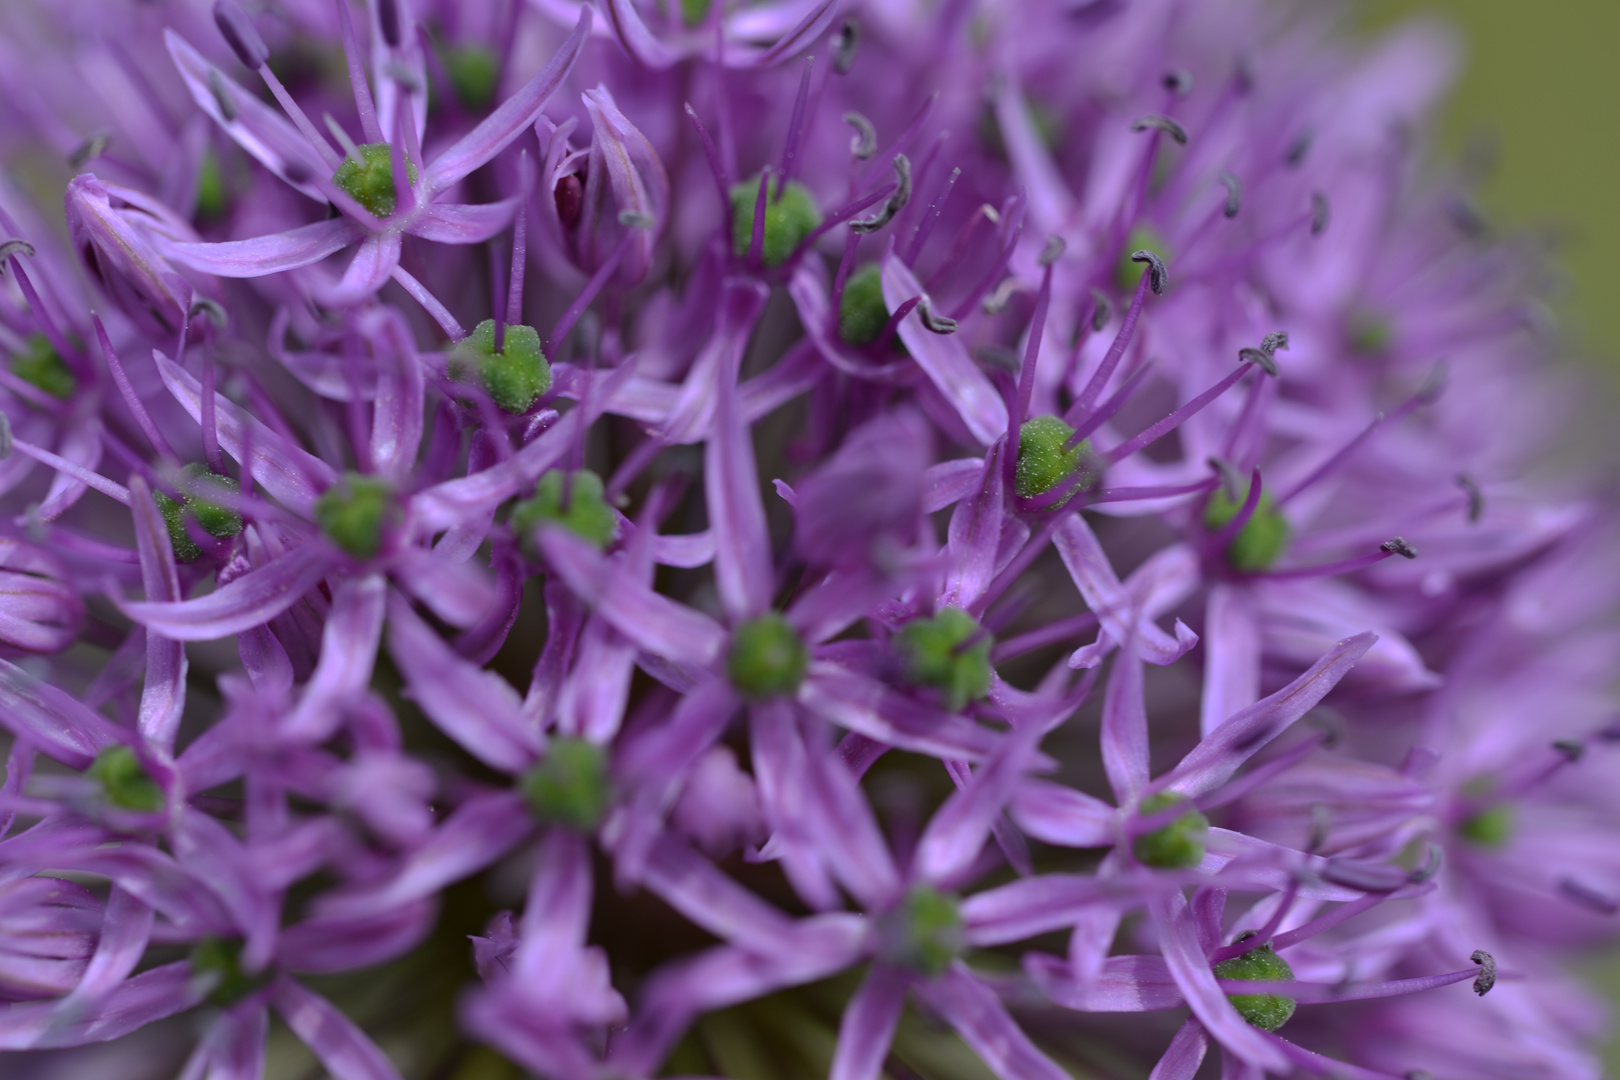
(767,658)
(1367,334)
(570,785)
(586,514)
(1263,537)
(124,783)
(1043,463)
(693,12)
(356,512)
(1126,272)
(1489,828)
(42,367)
(1178,845)
(210,188)
(219,961)
(205,499)
(515,376)
(473,72)
(1265,1011)
(370,180)
(862,314)
(924,933)
(931,649)
(790,216)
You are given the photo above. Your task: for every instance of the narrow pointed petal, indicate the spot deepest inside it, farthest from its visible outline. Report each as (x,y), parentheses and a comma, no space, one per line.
(163,694)
(151,995)
(343,1048)
(396,425)
(742,559)
(250,600)
(1184,1054)
(867,1028)
(1124,984)
(125,930)
(53,720)
(973,1009)
(637,40)
(1125,728)
(1231,655)
(511,119)
(463,223)
(1213,761)
(866,705)
(369,270)
(640,184)
(1055,814)
(1031,906)
(268,254)
(944,359)
(348,652)
(1123,613)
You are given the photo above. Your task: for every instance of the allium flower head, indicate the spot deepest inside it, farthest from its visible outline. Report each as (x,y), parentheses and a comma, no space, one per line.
(1165,598)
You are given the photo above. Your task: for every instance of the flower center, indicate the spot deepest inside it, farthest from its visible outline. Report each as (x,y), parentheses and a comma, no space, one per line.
(515,376)
(790,216)
(1488,828)
(767,658)
(584,512)
(218,961)
(1261,541)
(124,783)
(1044,463)
(355,513)
(570,785)
(1177,845)
(862,314)
(936,653)
(923,933)
(40,366)
(473,73)
(200,501)
(1265,1011)
(371,179)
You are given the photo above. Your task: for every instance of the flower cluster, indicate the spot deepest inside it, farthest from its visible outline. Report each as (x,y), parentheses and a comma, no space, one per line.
(1162,602)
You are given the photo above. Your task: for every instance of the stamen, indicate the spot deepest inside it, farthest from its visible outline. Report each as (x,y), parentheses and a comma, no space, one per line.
(844,43)
(1584,895)
(790,150)
(1037,327)
(15,247)
(1277,339)
(722,180)
(92,147)
(1053,251)
(1299,148)
(583,300)
(1319,213)
(996,302)
(756,240)
(351,149)
(388,21)
(520,244)
(892,327)
(1398,546)
(1175,419)
(938,324)
(1234,193)
(1231,479)
(1476,498)
(5,436)
(1161,123)
(864,144)
(126,390)
(1430,867)
(62,465)
(1101,310)
(1344,566)
(357,76)
(1178,81)
(1055,633)
(897,201)
(1258,357)
(1573,749)
(222,95)
(1487,971)
(202,305)
(240,34)
(926,226)
(1158,274)
(1363,876)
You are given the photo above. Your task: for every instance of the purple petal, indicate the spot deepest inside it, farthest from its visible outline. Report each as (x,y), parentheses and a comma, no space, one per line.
(325,942)
(248,601)
(950,481)
(396,426)
(463,223)
(270,254)
(1125,728)
(1124,612)
(348,652)
(53,720)
(973,1009)
(640,185)
(868,706)
(742,560)
(151,995)
(81,444)
(343,1048)
(849,832)
(163,695)
(788,803)
(637,40)
(460,593)
(1184,1054)
(958,830)
(1032,906)
(1213,761)
(514,115)
(369,270)
(692,886)
(236,1044)
(944,359)
(1231,655)
(475,707)
(125,930)
(1055,814)
(1124,984)
(867,1028)
(292,476)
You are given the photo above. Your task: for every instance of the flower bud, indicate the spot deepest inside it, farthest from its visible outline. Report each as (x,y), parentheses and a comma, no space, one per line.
(584,511)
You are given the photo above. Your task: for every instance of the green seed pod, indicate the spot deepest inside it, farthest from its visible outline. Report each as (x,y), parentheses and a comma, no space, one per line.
(586,514)
(923,933)
(1043,463)
(371,179)
(356,513)
(1265,1011)
(1178,845)
(570,785)
(933,656)
(124,783)
(862,314)
(43,367)
(1263,538)
(768,658)
(219,962)
(790,216)
(514,377)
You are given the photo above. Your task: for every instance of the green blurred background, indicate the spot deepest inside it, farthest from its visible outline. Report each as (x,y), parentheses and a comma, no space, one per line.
(1539,84)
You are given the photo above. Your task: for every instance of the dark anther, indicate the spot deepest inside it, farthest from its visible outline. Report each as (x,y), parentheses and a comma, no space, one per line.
(1434,384)
(864,144)
(996,302)
(1234,483)
(1179,82)
(897,201)
(1487,971)
(240,34)
(1266,362)
(997,356)
(297,172)
(5,435)
(1476,497)
(1430,867)
(1247,935)
(1329,723)
(1158,273)
(402,75)
(1234,193)
(1272,342)
(1101,311)
(202,305)
(222,95)
(939,324)
(1319,213)
(1053,251)
(1468,218)
(844,42)
(92,148)
(1570,748)
(1588,897)
(1299,148)
(1399,546)
(1364,876)
(388,21)
(15,247)
(1158,122)
(1321,823)
(634,219)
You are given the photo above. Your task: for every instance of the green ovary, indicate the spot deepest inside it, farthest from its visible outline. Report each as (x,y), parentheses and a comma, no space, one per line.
(587,513)
(1044,463)
(790,216)
(768,658)
(370,181)
(515,376)
(1263,538)
(356,512)
(1178,845)
(932,652)
(1265,1011)
(570,786)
